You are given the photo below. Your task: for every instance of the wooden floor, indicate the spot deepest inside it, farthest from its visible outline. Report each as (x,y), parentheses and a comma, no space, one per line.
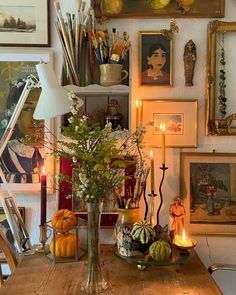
(37,275)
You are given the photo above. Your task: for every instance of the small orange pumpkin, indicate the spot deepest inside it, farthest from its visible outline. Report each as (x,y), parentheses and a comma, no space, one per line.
(65,245)
(63,220)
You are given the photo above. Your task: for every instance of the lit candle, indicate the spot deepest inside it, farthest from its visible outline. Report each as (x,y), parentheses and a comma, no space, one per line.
(137,112)
(163,144)
(152,171)
(183,241)
(43,197)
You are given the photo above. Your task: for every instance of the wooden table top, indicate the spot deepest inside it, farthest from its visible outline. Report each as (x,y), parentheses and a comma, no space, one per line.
(37,275)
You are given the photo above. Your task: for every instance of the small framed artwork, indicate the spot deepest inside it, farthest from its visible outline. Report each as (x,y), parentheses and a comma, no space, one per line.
(159,8)
(208,188)
(155,59)
(5,228)
(24,23)
(22,162)
(179,117)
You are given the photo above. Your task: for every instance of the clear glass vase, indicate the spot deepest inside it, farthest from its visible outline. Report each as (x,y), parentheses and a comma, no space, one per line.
(94,282)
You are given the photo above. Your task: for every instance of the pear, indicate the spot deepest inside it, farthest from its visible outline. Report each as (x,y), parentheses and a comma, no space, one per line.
(158,4)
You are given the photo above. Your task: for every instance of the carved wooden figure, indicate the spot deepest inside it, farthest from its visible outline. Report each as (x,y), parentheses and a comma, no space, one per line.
(189,62)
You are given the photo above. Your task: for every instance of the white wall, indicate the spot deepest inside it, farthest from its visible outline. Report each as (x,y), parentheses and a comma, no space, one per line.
(211,249)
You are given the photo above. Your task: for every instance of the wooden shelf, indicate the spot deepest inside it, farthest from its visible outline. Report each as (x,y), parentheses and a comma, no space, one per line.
(95,89)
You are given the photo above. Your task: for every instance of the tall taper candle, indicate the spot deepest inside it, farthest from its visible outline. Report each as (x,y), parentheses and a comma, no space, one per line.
(163,144)
(152,170)
(43,198)
(137,112)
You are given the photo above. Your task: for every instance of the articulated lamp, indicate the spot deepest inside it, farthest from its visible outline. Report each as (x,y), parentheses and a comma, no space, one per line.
(53,101)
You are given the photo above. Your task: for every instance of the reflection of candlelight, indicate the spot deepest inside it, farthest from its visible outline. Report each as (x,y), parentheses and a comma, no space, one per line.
(43,197)
(137,112)
(163,144)
(152,171)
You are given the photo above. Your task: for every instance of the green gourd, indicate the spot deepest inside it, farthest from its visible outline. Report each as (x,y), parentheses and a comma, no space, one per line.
(143,232)
(160,250)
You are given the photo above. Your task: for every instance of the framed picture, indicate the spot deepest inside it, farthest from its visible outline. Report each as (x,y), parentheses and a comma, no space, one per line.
(179,116)
(21,162)
(208,188)
(24,23)
(109,214)
(155,59)
(4,226)
(158,9)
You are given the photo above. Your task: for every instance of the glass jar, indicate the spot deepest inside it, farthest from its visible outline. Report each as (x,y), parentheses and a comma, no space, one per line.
(123,228)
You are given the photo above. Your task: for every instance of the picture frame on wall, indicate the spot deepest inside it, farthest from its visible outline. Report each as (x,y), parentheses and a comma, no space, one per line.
(5,228)
(22,162)
(156,59)
(25,23)
(208,189)
(179,117)
(158,9)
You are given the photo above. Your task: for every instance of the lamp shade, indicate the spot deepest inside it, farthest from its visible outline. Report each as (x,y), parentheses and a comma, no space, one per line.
(53,100)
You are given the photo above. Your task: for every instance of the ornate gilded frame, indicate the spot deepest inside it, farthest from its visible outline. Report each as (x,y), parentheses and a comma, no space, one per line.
(215,27)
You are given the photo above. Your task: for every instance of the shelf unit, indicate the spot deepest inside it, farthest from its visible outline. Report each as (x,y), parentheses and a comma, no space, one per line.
(97,97)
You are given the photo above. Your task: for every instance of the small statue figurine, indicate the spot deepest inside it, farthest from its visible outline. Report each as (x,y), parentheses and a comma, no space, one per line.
(189,62)
(177,212)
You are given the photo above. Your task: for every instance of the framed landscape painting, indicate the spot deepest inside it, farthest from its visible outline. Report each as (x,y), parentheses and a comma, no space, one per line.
(22,163)
(159,9)
(24,23)
(179,117)
(208,188)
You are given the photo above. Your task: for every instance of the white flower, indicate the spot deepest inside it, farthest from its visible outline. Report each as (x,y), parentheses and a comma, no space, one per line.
(76,128)
(74,159)
(4,123)
(70,120)
(73,110)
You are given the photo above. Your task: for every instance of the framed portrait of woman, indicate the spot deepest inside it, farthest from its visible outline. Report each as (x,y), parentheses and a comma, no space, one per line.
(22,161)
(156,54)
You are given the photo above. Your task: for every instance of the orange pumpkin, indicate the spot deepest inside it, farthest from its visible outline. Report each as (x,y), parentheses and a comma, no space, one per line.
(65,245)
(63,220)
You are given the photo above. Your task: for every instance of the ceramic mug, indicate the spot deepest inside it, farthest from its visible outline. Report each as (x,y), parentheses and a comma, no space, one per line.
(112,74)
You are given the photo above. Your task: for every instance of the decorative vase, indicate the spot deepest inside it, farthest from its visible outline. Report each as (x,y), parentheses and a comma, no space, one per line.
(95,282)
(210,206)
(123,228)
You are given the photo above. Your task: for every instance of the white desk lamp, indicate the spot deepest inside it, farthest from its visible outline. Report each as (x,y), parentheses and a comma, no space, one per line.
(53,101)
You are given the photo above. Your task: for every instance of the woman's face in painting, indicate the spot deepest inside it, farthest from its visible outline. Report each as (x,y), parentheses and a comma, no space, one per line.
(26,123)
(157,59)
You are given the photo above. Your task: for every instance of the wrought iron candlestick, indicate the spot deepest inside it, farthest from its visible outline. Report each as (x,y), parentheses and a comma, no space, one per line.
(163,168)
(149,214)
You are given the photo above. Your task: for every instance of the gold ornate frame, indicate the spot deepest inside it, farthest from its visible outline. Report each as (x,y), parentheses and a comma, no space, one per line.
(215,27)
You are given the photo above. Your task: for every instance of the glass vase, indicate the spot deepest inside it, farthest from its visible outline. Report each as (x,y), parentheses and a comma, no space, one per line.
(94,282)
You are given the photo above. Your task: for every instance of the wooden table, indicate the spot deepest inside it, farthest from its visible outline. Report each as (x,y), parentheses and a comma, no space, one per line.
(37,275)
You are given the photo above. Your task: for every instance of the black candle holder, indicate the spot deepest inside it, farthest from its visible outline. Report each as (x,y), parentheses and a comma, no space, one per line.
(163,168)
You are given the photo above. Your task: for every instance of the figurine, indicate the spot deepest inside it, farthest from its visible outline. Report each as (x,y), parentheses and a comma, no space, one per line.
(189,62)
(225,124)
(177,212)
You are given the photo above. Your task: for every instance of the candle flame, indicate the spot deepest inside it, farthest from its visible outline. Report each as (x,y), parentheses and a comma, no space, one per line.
(184,236)
(137,103)
(151,154)
(43,170)
(164,127)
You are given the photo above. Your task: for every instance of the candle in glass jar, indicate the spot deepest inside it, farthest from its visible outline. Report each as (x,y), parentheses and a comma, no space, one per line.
(43,198)
(163,143)
(152,170)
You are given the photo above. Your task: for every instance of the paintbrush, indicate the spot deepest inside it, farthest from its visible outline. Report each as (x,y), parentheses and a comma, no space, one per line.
(78,20)
(65,39)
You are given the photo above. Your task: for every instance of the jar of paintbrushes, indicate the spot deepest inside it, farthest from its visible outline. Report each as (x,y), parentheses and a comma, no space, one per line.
(111,53)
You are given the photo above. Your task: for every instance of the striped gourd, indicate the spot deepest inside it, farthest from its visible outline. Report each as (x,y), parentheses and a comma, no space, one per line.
(143,232)
(160,250)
